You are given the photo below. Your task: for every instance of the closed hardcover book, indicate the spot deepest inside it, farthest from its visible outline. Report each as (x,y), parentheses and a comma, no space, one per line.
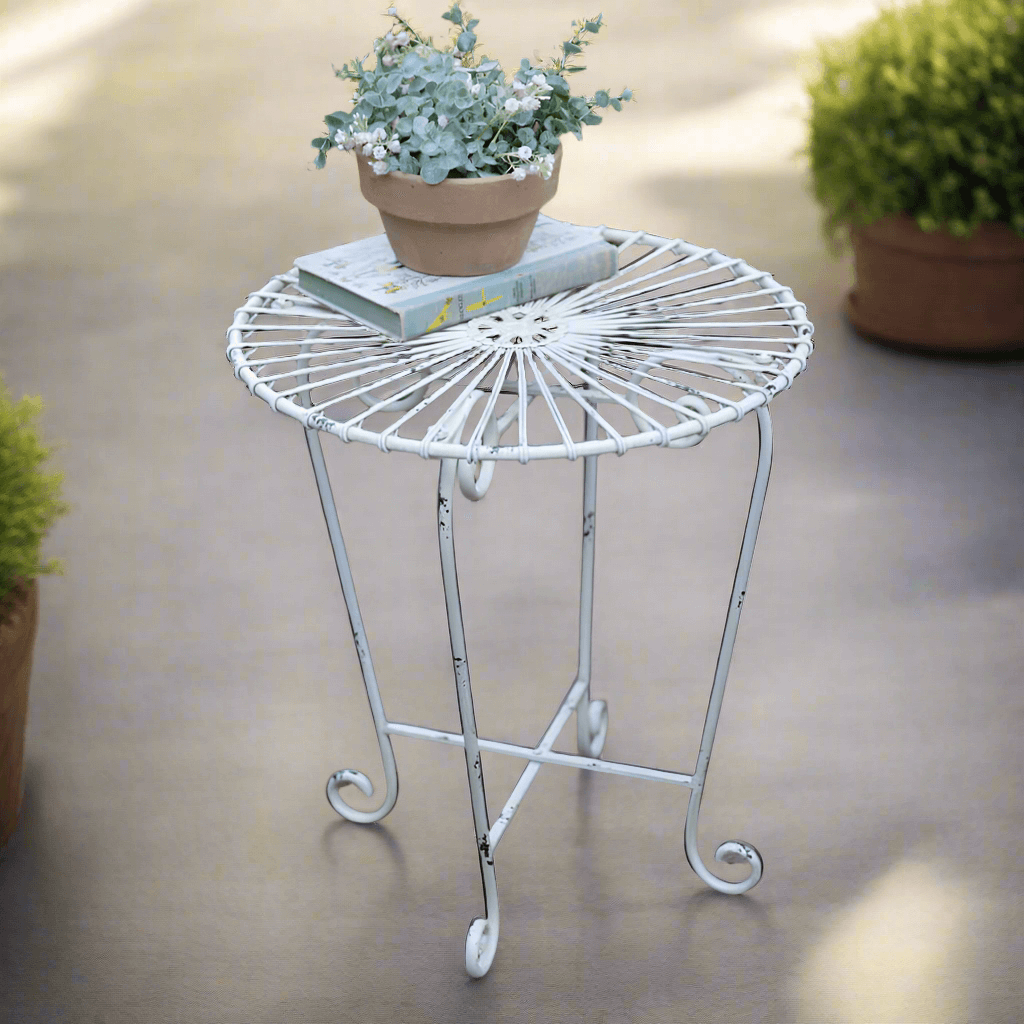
(364,280)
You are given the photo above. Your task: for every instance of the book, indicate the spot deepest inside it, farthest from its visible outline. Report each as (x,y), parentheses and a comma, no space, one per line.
(364,280)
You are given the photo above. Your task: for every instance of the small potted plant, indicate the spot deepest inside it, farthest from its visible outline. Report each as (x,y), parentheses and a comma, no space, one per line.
(916,147)
(457,158)
(29,505)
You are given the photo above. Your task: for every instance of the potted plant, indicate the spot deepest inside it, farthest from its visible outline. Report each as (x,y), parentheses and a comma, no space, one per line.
(916,147)
(29,505)
(457,158)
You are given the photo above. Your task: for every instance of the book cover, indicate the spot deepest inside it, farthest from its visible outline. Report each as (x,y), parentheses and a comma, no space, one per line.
(364,280)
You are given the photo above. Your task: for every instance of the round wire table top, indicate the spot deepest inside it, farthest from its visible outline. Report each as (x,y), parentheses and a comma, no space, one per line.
(680,340)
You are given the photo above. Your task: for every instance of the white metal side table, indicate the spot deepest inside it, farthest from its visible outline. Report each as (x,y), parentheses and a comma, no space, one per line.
(681,340)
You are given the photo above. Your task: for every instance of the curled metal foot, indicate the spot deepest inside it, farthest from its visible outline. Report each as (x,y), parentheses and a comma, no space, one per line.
(481,945)
(351,777)
(591,728)
(732,852)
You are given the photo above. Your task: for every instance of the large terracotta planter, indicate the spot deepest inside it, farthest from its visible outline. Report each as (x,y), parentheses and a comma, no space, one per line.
(461,227)
(934,292)
(17,640)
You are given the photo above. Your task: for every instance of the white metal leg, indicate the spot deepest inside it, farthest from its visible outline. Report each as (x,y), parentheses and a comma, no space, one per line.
(350,776)
(482,939)
(734,851)
(591,715)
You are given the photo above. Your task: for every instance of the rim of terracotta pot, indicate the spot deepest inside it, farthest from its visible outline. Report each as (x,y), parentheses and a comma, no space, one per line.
(992,240)
(494,197)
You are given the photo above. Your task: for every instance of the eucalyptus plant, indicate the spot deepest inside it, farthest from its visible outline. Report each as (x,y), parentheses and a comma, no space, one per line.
(444,113)
(922,112)
(29,498)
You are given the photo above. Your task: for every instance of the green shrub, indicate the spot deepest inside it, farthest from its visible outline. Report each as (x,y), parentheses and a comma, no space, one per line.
(29,499)
(921,111)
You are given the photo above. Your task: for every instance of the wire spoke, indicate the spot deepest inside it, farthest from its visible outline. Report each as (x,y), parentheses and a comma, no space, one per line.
(692,334)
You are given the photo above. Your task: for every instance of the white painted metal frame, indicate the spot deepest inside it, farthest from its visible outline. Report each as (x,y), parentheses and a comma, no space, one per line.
(638,338)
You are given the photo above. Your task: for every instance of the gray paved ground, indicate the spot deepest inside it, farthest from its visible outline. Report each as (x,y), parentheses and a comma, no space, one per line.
(195,682)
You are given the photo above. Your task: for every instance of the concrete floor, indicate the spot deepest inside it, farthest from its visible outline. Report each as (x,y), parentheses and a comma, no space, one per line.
(195,682)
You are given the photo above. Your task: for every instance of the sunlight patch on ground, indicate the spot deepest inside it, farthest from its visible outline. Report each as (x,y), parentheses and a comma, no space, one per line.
(47,30)
(895,955)
(39,94)
(798,26)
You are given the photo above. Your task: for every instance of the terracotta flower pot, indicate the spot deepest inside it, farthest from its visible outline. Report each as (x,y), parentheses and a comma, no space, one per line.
(461,227)
(18,626)
(934,292)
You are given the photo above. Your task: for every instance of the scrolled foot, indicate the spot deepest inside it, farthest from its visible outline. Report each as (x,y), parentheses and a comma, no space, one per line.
(481,945)
(351,777)
(592,730)
(731,852)
(735,851)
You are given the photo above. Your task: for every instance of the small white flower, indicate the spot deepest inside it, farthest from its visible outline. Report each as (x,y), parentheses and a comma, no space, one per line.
(545,172)
(540,80)
(402,38)
(387,60)
(519,174)
(380,167)
(368,149)
(531,103)
(524,152)
(512,105)
(340,138)
(379,153)
(395,146)
(392,11)
(442,120)
(379,135)
(475,89)
(519,88)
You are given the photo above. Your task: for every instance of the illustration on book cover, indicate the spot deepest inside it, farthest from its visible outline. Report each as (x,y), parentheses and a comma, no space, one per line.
(445,315)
